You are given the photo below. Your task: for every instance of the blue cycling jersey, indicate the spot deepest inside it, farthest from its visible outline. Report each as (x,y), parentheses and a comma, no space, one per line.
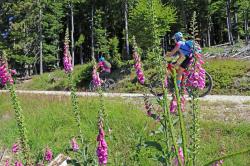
(185,47)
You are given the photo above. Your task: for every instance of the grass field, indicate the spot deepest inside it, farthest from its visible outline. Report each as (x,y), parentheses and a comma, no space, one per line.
(50,122)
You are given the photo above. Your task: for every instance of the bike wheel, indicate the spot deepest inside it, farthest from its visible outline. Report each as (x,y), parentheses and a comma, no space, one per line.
(110,83)
(208,86)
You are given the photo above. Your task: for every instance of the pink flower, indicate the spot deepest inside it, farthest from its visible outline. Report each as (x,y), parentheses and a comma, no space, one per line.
(74,145)
(15,148)
(180,154)
(18,163)
(166,81)
(13,72)
(48,154)
(95,77)
(173,106)
(102,149)
(7,163)
(138,68)
(218,163)
(5,76)
(67,59)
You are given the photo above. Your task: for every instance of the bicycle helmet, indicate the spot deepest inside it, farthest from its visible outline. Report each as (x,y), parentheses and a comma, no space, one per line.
(178,36)
(101,59)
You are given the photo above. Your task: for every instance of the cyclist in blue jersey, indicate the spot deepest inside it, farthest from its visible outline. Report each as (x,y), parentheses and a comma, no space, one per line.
(185,51)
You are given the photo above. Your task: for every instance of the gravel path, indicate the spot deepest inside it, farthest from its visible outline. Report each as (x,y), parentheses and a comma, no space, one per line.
(232,98)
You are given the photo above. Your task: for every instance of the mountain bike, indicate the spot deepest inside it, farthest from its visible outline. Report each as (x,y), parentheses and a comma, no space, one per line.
(155,85)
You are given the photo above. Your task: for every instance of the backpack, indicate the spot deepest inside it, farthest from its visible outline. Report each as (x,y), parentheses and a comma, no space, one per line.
(189,43)
(107,64)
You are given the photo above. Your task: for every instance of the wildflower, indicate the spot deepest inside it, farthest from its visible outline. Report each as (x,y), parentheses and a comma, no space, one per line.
(148,105)
(74,145)
(48,154)
(67,57)
(95,77)
(166,81)
(102,149)
(18,163)
(7,163)
(218,163)
(13,72)
(180,154)
(138,68)
(5,76)
(15,148)
(173,105)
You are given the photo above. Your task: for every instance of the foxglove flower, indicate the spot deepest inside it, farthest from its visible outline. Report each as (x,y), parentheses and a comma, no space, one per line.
(7,163)
(48,154)
(197,77)
(180,154)
(173,106)
(18,163)
(218,163)
(96,78)
(74,145)
(5,76)
(67,61)
(102,149)
(15,148)
(138,68)
(166,81)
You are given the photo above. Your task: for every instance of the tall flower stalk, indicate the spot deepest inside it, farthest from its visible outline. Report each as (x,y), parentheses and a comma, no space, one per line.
(102,148)
(67,62)
(7,80)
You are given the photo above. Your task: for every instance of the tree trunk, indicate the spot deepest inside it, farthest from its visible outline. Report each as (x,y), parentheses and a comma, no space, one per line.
(229,28)
(236,28)
(81,49)
(57,55)
(126,28)
(40,39)
(209,31)
(72,34)
(246,26)
(92,33)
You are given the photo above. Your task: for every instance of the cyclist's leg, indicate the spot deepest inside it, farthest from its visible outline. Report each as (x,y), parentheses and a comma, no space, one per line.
(183,66)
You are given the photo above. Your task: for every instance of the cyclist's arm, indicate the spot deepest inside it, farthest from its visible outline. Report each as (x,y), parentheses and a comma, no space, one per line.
(176,48)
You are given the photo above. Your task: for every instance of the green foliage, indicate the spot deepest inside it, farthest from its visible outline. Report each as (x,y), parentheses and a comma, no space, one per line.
(115,56)
(48,123)
(225,74)
(100,33)
(148,20)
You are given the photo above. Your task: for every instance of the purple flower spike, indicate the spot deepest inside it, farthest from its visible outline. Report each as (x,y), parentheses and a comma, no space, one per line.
(74,145)
(180,154)
(138,68)
(15,148)
(96,78)
(173,106)
(7,163)
(67,60)
(48,154)
(18,163)
(102,149)
(5,76)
